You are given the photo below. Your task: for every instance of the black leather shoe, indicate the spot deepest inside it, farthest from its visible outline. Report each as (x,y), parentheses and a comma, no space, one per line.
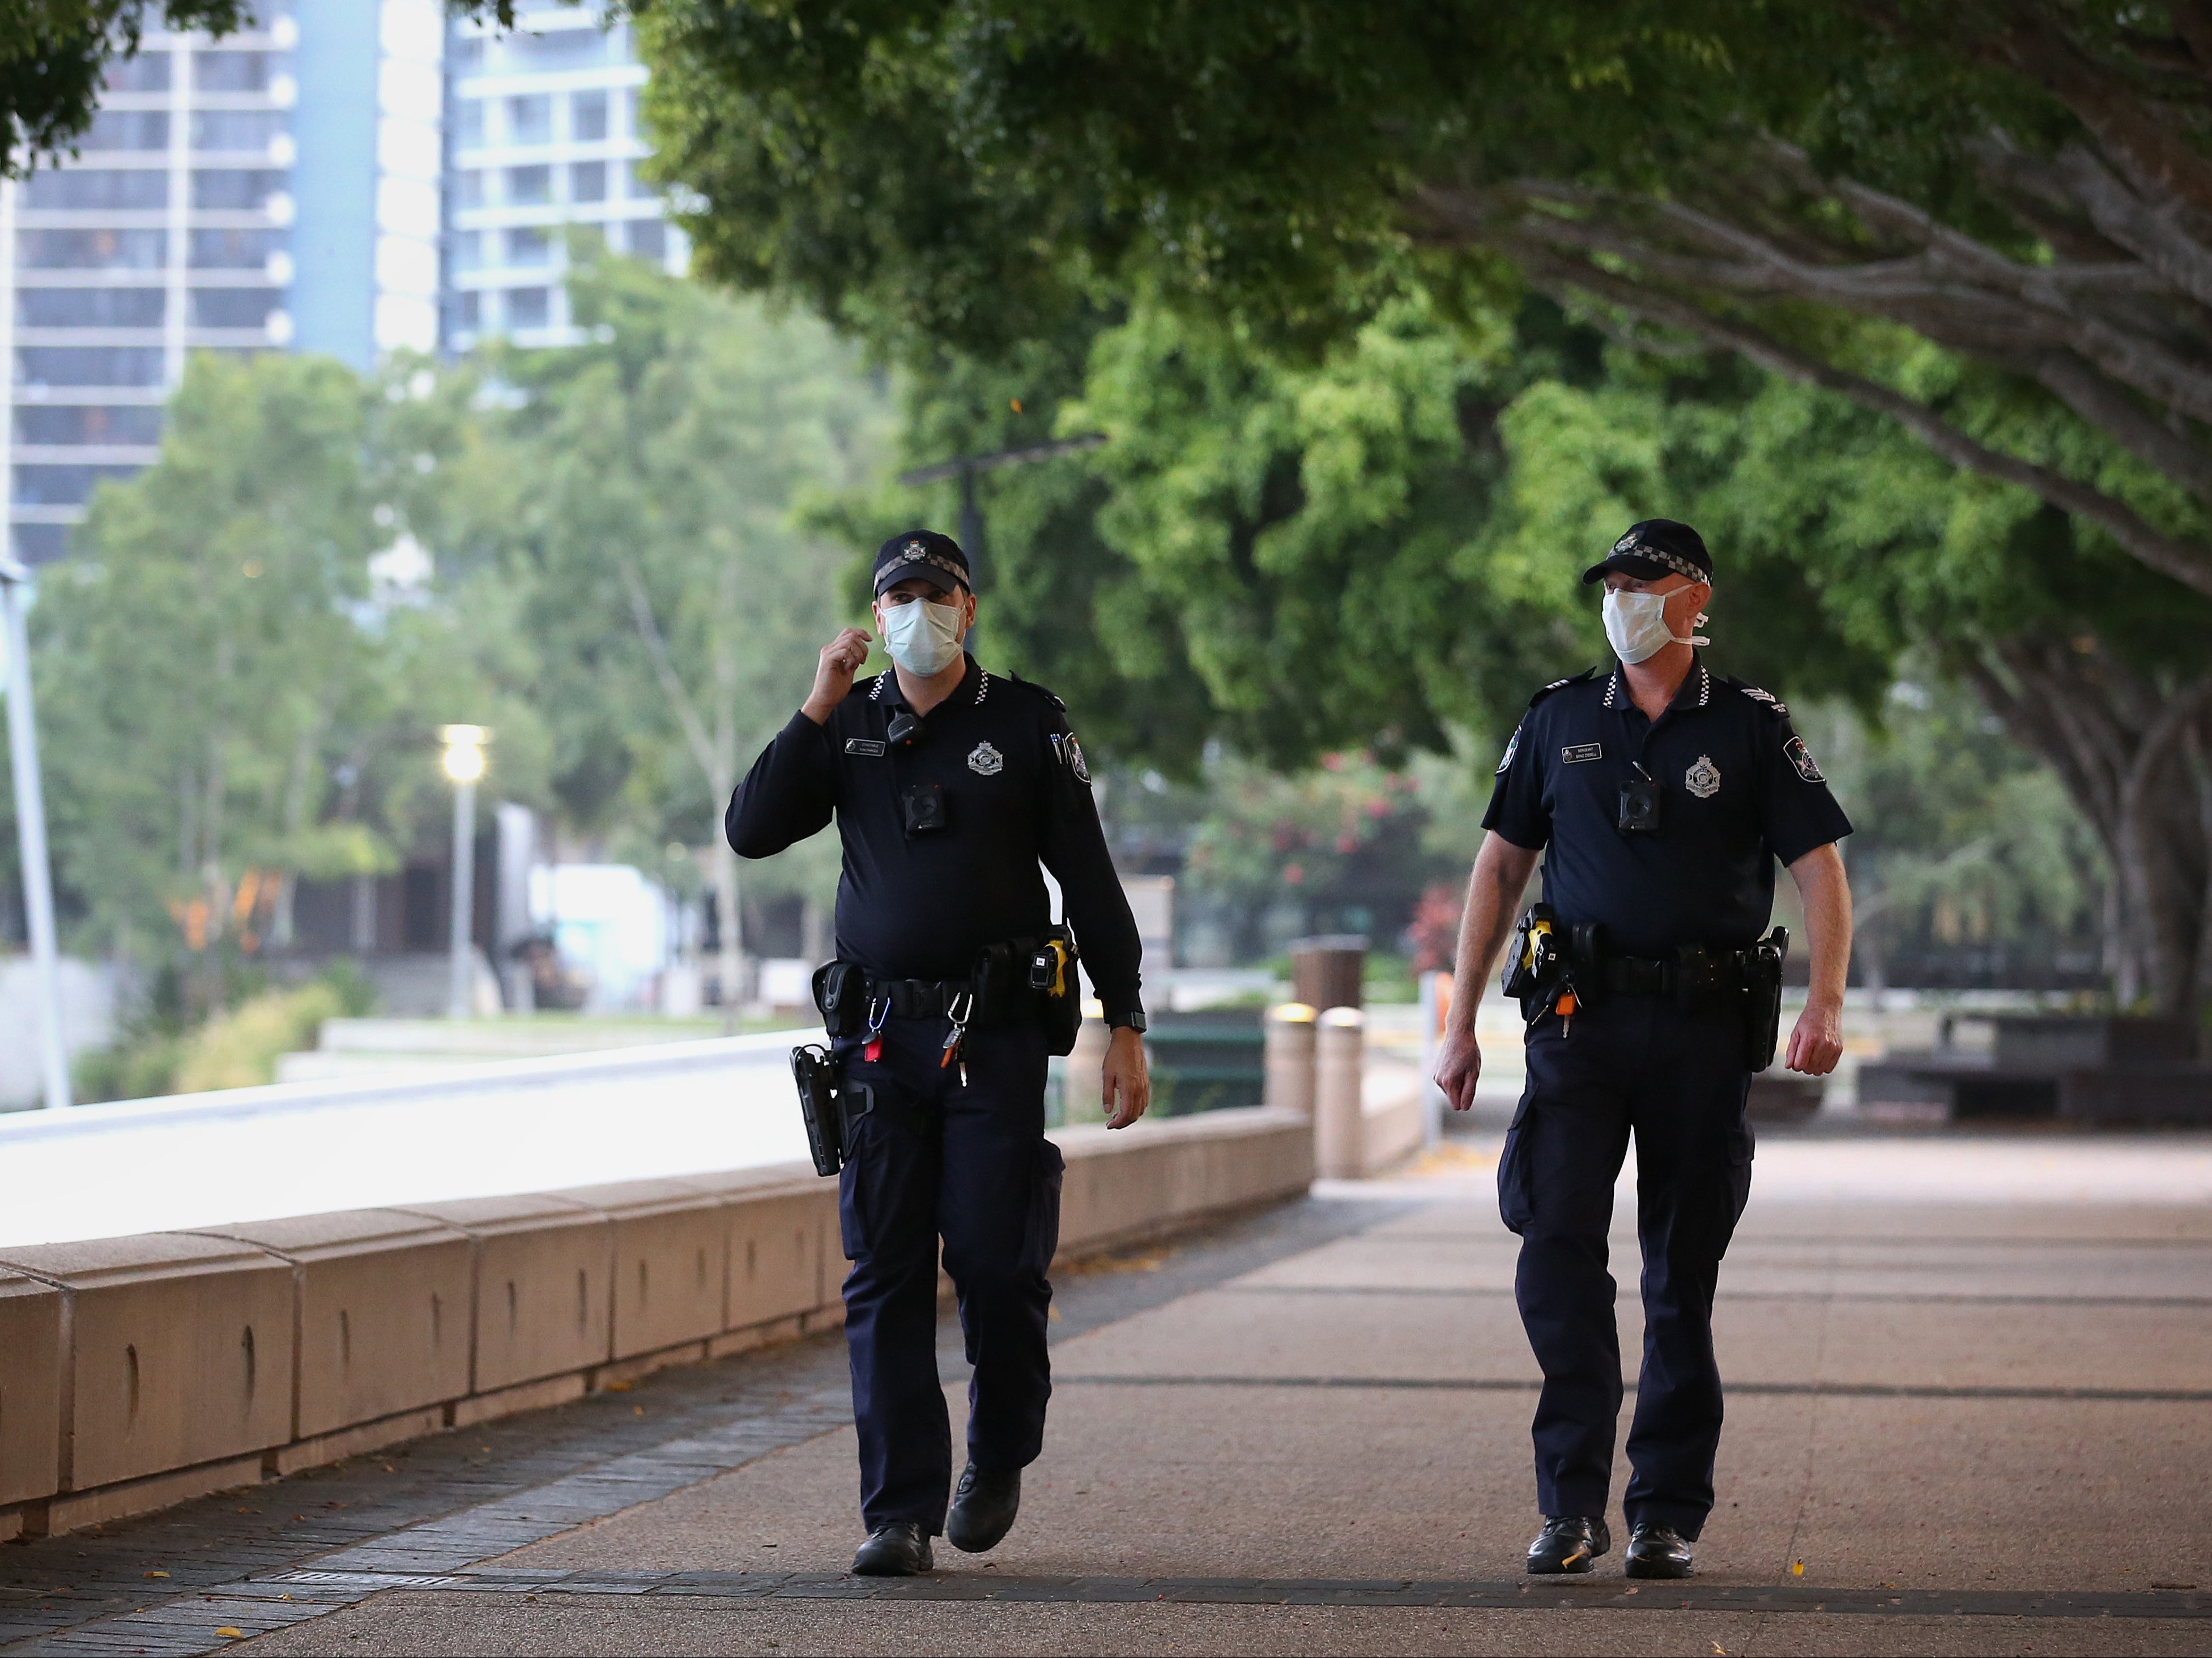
(1568,1543)
(1658,1552)
(983,1509)
(896,1549)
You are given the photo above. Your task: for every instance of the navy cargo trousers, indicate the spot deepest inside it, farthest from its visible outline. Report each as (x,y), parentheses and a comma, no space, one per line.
(929,1157)
(1677,1080)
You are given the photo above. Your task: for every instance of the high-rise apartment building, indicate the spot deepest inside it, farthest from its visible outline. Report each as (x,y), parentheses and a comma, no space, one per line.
(543,133)
(277,188)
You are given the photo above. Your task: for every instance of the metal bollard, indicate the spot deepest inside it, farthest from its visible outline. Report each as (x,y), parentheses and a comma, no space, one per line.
(1080,1083)
(1340,1129)
(1290,1058)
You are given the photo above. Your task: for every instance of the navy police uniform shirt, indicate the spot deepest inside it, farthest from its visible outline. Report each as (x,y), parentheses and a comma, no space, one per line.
(1015,791)
(1741,790)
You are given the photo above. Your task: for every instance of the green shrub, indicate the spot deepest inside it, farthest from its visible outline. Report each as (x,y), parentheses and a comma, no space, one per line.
(239,1049)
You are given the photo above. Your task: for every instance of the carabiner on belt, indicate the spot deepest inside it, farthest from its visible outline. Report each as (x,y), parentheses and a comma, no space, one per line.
(958,1011)
(878,1011)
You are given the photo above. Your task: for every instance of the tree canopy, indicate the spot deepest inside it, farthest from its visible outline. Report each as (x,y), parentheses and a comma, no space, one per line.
(54,56)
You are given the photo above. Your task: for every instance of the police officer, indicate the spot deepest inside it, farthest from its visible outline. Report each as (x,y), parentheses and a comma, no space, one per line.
(950,785)
(1660,794)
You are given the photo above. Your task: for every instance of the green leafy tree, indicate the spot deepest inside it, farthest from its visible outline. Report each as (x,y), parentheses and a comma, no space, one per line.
(654,483)
(54,55)
(230,702)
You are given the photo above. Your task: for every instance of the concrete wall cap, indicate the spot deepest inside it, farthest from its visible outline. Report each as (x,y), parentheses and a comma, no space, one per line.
(303,1237)
(87,1264)
(630,1198)
(1231,1123)
(516,1211)
(765,1179)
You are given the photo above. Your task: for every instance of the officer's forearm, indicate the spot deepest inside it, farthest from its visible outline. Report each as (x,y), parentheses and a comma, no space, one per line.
(1828,894)
(1493,896)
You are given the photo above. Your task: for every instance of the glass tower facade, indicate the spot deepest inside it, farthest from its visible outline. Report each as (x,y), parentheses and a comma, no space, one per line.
(275,189)
(543,133)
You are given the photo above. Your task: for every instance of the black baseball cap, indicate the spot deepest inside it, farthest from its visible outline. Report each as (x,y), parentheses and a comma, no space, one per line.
(937,559)
(1653,548)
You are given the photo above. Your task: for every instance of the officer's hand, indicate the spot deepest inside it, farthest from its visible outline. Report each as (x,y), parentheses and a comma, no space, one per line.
(1817,1040)
(842,657)
(1458,1067)
(1129,1084)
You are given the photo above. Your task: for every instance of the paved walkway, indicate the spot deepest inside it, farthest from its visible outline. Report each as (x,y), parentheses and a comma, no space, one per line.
(1970,1422)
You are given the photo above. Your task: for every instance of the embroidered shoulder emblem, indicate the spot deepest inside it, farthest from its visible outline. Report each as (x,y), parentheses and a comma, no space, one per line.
(1512,748)
(986,760)
(1772,701)
(1802,757)
(1703,779)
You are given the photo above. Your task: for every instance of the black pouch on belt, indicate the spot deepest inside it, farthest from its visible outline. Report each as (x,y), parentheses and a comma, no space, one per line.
(840,992)
(1762,998)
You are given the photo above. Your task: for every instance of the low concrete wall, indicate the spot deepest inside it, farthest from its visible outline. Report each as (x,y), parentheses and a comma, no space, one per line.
(136,1372)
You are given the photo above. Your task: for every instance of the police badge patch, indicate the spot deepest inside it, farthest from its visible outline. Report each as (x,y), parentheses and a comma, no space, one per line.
(1511,748)
(1802,758)
(1703,779)
(986,760)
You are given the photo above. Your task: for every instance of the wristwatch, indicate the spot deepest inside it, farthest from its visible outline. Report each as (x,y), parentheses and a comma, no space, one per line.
(1129,1018)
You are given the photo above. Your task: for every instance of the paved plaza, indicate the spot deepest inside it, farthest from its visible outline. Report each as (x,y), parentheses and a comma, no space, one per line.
(1977,1421)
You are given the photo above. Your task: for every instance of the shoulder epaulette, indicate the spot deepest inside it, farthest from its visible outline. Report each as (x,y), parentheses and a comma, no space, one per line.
(1560,685)
(1031,686)
(1773,704)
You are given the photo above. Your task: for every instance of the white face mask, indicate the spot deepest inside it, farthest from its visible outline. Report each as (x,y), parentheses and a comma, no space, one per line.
(1635,626)
(922,635)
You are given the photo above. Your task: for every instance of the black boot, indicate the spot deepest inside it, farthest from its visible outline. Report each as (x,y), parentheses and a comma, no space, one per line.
(1568,1543)
(1657,1552)
(895,1549)
(983,1509)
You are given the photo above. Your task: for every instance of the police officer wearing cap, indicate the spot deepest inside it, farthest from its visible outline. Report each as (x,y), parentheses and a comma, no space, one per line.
(950,786)
(1660,795)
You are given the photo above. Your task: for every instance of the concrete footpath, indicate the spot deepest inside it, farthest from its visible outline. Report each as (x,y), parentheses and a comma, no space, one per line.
(1975,1422)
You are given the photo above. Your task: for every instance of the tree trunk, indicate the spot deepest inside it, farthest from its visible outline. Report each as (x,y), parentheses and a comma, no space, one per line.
(2130,752)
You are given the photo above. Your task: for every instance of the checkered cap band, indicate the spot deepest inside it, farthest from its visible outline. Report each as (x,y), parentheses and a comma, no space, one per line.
(915,553)
(1673,560)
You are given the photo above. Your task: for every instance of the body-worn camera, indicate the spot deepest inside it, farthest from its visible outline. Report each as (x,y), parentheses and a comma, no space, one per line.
(925,809)
(1643,809)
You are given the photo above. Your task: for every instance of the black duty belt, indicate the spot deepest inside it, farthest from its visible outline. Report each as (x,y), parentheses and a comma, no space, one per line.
(918,999)
(1707,970)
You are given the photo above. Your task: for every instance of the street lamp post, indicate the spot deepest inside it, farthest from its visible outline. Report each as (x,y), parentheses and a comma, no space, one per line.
(464,763)
(31,832)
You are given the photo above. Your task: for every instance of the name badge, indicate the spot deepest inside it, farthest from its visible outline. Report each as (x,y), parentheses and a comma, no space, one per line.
(1582,752)
(867,745)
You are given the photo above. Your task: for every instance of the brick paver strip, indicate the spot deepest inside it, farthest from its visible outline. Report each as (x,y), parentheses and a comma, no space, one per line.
(426,1509)
(1782,1389)
(1608,1593)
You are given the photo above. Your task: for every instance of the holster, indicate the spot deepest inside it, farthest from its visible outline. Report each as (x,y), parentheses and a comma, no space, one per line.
(819,1107)
(1761,967)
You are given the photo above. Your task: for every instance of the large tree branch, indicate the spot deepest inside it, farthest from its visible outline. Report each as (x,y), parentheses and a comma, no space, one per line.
(2188,563)
(1956,291)
(2156,156)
